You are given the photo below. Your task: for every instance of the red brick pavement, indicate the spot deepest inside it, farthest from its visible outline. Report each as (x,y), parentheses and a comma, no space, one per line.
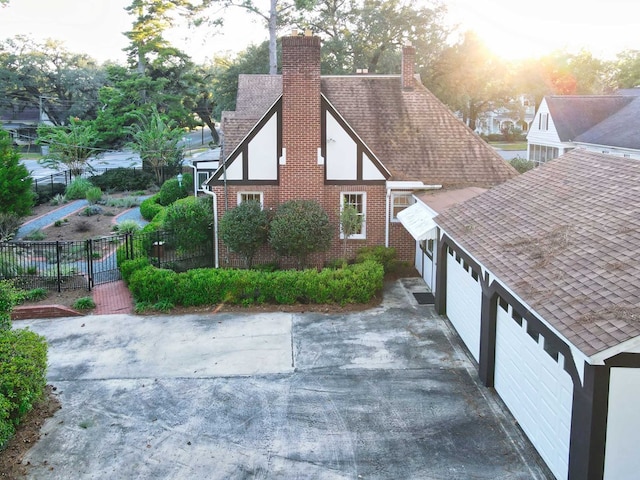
(113,297)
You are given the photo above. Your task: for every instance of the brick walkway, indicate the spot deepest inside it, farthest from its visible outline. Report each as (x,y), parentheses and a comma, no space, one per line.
(111,298)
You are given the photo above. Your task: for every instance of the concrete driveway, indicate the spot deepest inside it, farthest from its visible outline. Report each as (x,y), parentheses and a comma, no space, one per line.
(388,393)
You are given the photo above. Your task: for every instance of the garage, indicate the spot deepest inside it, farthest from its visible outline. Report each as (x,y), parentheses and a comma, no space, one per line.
(535,387)
(464,301)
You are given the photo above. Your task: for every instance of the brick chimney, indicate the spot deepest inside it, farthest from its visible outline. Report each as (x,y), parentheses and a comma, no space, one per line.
(301,177)
(408,62)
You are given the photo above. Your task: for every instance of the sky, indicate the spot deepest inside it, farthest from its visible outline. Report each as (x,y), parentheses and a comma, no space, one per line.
(511,28)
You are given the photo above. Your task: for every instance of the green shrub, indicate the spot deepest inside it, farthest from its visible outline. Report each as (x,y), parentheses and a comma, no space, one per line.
(9,225)
(124,202)
(522,164)
(299,228)
(126,226)
(150,284)
(36,236)
(172,191)
(8,296)
(127,267)
(244,229)
(385,256)
(77,189)
(190,221)
(149,208)
(353,284)
(123,180)
(93,195)
(91,210)
(32,295)
(58,199)
(84,303)
(45,192)
(22,377)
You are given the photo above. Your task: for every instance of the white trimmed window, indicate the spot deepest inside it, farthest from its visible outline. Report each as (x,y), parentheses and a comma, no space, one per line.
(202,177)
(357,200)
(400,201)
(250,196)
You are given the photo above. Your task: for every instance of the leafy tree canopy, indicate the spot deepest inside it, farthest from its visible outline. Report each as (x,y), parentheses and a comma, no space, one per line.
(44,75)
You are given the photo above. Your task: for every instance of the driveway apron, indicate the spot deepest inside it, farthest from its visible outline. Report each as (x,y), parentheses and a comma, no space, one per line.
(388,393)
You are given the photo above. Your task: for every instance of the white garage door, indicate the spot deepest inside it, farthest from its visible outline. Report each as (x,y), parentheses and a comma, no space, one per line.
(464,302)
(621,461)
(536,388)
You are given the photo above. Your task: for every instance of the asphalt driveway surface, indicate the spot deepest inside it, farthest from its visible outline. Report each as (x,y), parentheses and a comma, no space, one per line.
(388,393)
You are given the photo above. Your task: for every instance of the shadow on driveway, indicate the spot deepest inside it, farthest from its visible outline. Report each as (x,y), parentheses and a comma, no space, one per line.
(387,393)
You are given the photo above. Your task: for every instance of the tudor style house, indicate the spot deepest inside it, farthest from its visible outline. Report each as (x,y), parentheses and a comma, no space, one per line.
(369,141)
(540,276)
(600,123)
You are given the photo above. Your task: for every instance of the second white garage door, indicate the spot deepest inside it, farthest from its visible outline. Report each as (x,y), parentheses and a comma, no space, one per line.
(536,388)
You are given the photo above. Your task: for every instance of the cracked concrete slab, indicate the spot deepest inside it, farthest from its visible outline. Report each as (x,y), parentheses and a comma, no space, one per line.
(385,393)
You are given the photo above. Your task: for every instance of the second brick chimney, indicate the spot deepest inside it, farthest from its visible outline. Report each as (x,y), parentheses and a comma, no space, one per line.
(301,118)
(408,62)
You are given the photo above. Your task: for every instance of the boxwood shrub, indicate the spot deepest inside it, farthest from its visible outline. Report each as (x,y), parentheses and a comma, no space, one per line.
(23,365)
(356,283)
(149,208)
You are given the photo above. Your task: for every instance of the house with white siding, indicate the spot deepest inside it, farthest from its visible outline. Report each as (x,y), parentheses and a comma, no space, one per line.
(600,123)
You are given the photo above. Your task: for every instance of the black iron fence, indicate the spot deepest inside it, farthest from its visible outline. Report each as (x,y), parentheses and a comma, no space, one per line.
(84,264)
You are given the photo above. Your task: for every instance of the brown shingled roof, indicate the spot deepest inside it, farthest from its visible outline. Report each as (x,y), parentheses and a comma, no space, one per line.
(411,132)
(565,237)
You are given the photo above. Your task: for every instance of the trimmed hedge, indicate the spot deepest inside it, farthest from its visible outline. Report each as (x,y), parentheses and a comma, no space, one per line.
(23,365)
(353,284)
(149,208)
(123,180)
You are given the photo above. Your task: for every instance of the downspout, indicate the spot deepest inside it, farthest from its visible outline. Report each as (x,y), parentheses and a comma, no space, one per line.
(387,219)
(216,262)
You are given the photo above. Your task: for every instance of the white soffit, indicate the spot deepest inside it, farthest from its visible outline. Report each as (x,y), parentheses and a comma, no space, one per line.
(418,220)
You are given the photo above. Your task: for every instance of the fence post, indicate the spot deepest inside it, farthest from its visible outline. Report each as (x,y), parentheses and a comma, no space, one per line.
(89,251)
(59,277)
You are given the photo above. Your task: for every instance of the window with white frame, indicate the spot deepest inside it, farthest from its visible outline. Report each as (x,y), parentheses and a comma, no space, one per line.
(357,200)
(400,201)
(249,197)
(202,177)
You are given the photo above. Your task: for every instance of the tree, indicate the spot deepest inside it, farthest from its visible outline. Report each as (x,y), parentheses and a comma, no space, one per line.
(276,17)
(70,145)
(350,223)
(15,182)
(156,140)
(244,230)
(299,228)
(627,69)
(368,33)
(225,73)
(469,79)
(47,77)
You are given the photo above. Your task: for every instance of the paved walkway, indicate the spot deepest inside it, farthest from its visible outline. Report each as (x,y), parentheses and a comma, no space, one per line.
(113,297)
(47,219)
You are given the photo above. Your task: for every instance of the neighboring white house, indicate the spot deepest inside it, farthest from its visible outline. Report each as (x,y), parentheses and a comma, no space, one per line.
(599,123)
(519,116)
(540,276)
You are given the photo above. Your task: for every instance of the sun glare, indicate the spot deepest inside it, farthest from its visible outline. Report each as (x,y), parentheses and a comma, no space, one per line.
(518,30)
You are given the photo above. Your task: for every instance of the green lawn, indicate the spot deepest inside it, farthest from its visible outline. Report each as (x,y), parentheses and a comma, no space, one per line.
(509,146)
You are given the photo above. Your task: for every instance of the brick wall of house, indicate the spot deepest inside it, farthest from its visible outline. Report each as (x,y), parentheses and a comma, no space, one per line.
(301,177)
